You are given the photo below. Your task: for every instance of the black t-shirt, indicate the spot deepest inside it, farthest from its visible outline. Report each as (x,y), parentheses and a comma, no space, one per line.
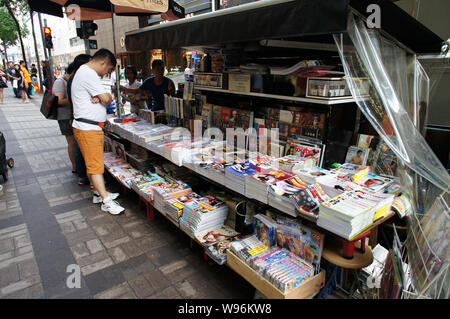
(34,71)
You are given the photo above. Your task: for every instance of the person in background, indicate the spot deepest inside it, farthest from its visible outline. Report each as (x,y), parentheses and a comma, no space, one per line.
(133,83)
(45,81)
(154,86)
(27,78)
(10,71)
(90,98)
(64,113)
(3,84)
(34,71)
(79,160)
(19,83)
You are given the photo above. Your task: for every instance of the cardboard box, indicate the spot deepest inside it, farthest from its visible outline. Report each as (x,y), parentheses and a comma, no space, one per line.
(239,82)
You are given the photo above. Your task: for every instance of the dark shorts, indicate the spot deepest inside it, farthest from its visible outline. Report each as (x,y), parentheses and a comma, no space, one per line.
(66,127)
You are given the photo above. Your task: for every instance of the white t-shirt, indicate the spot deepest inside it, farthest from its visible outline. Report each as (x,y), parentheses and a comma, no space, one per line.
(86,84)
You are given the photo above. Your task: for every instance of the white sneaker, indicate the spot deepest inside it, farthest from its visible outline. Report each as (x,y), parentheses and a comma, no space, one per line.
(97,199)
(111,206)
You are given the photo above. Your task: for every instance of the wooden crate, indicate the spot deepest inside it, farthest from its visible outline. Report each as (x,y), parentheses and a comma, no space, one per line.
(305,290)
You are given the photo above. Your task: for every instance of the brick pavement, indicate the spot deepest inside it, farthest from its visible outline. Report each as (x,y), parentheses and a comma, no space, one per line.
(48,222)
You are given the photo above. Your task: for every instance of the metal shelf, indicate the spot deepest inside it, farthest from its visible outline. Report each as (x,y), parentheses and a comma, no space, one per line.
(280,97)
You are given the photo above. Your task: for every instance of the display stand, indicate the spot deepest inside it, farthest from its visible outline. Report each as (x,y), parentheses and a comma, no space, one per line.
(305,290)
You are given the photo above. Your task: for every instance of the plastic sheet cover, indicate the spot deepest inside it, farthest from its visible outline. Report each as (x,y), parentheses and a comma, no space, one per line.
(392,90)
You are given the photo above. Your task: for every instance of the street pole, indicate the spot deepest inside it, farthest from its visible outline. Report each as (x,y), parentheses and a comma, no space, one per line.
(50,59)
(41,88)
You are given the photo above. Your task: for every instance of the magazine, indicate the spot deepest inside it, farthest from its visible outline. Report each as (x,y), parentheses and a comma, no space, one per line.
(364,141)
(307,149)
(375,183)
(265,229)
(216,235)
(357,155)
(384,160)
(303,241)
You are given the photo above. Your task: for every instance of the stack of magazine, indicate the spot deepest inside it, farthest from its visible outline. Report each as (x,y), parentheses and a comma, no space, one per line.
(310,175)
(203,214)
(143,182)
(257,184)
(279,195)
(350,213)
(169,190)
(307,201)
(175,206)
(235,176)
(289,161)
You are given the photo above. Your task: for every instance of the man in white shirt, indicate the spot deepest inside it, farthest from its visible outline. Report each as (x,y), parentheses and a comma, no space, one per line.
(89,98)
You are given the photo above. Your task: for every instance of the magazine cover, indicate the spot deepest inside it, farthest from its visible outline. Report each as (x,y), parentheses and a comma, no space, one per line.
(217,116)
(265,229)
(271,176)
(216,235)
(357,155)
(225,117)
(364,140)
(286,116)
(384,160)
(303,241)
(375,182)
(303,148)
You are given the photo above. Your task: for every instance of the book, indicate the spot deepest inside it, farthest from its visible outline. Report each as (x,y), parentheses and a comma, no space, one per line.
(357,155)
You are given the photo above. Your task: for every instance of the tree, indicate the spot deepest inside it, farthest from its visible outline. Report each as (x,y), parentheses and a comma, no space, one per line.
(8,30)
(14,8)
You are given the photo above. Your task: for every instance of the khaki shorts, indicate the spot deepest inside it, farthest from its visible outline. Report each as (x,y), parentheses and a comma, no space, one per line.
(91,146)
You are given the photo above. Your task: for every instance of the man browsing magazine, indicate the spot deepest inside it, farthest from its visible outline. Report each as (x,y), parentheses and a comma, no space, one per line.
(90,98)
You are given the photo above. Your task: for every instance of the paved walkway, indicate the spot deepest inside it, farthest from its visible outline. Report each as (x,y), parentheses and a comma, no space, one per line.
(48,222)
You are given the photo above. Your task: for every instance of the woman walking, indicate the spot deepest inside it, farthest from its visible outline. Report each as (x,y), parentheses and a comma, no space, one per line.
(19,83)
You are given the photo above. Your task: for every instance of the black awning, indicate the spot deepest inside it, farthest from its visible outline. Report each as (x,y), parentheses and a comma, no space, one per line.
(403,27)
(280,20)
(250,22)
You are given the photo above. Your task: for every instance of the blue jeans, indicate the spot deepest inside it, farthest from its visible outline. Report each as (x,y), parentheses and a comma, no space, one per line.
(16,91)
(79,164)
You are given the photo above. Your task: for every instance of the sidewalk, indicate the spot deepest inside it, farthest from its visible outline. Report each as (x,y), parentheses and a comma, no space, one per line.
(48,222)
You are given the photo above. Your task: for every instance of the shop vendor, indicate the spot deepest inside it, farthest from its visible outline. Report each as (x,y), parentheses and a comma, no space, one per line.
(155,87)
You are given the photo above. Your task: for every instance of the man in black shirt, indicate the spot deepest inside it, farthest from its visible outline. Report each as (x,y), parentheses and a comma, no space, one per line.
(10,72)
(34,71)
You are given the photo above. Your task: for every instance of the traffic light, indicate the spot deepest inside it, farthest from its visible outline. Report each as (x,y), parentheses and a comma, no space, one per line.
(48,38)
(87,29)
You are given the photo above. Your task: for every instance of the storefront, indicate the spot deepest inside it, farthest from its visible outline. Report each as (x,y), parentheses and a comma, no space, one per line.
(337,90)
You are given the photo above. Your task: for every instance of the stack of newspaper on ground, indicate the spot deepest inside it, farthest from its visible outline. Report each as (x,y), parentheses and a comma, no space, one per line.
(171,189)
(279,195)
(204,214)
(257,184)
(349,213)
(235,176)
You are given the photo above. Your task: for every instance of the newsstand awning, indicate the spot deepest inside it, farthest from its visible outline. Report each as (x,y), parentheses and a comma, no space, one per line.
(280,19)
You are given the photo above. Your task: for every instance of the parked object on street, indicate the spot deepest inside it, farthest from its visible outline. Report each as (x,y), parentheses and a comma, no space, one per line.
(4,163)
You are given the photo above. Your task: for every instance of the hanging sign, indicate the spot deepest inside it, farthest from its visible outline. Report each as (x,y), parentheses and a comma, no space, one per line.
(150,5)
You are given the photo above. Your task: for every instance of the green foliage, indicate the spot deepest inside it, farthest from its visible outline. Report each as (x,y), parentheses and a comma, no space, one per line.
(8,29)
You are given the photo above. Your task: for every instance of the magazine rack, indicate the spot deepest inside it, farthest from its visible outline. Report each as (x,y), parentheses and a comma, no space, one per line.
(306,290)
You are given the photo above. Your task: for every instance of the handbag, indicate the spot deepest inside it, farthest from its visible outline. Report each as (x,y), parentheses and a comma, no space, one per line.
(49,105)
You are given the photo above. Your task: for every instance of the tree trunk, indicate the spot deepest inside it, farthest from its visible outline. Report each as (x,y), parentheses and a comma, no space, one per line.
(6,3)
(6,54)
(38,62)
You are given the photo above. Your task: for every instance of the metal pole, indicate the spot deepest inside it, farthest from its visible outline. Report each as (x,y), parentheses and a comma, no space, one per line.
(37,54)
(42,35)
(118,100)
(50,62)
